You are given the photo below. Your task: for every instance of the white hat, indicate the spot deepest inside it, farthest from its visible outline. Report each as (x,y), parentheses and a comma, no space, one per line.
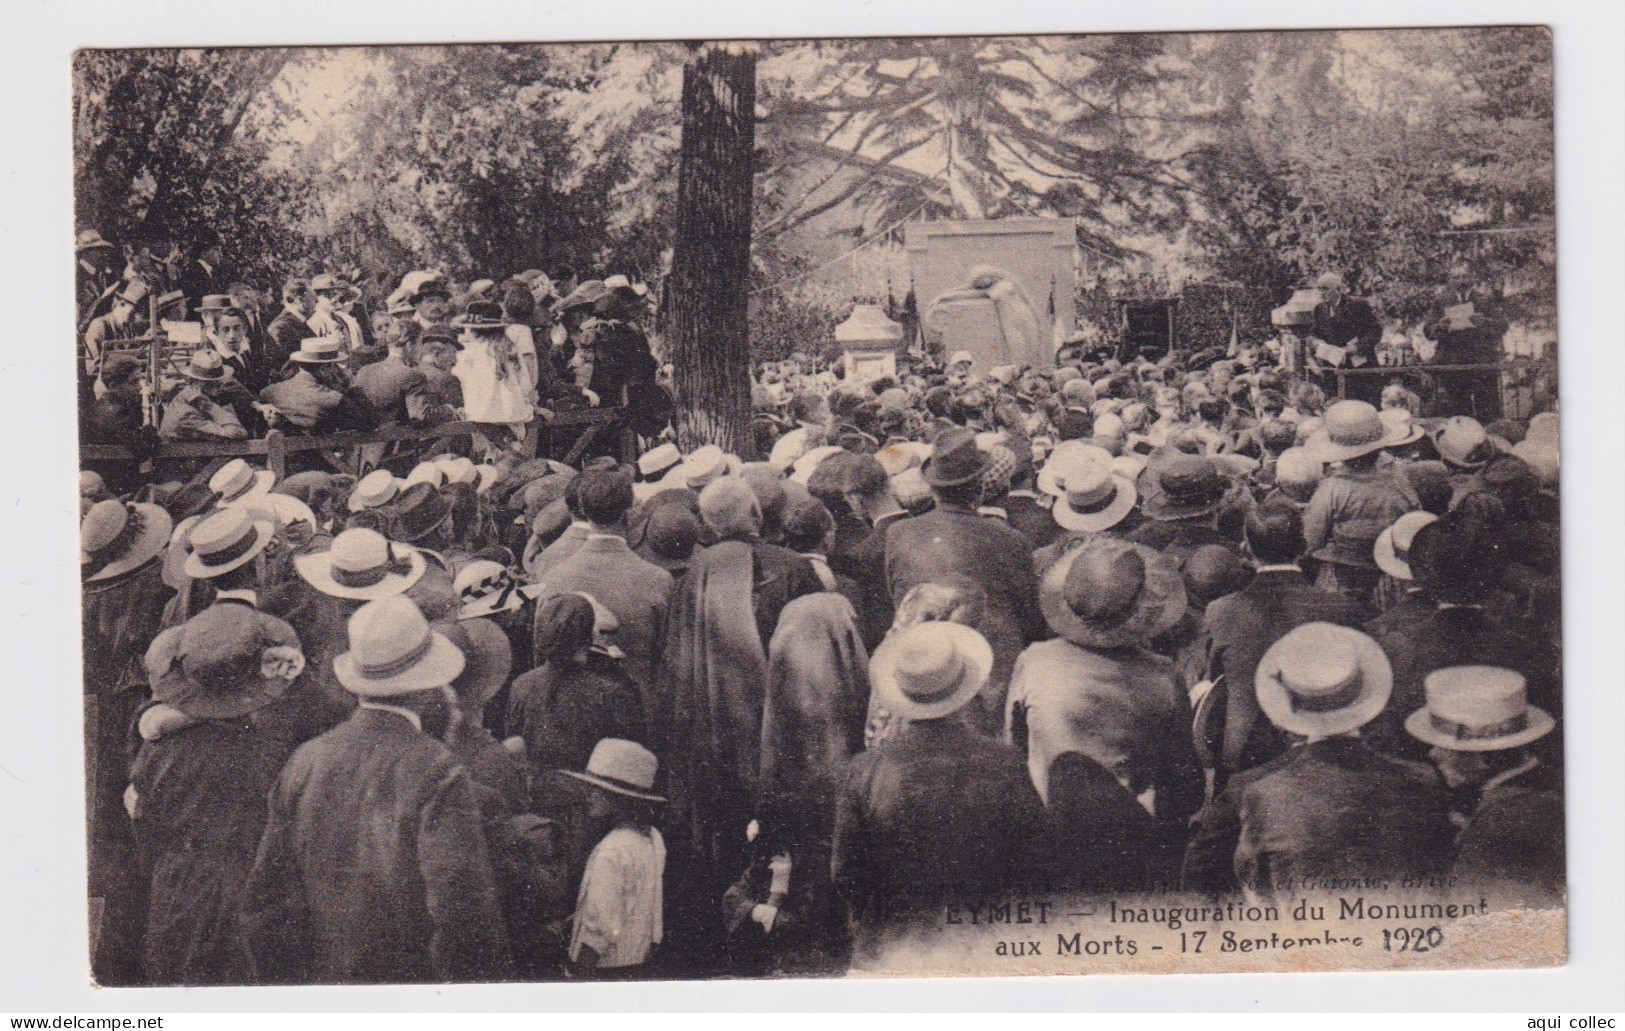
(425,472)
(1392,551)
(1065,454)
(1477,709)
(115,538)
(961,356)
(280,510)
(705,464)
(804,466)
(485,588)
(488,475)
(1401,430)
(458,469)
(931,669)
(225,540)
(237,480)
(378,487)
(1322,679)
(393,651)
(624,767)
(362,564)
(1093,497)
(658,459)
(320,351)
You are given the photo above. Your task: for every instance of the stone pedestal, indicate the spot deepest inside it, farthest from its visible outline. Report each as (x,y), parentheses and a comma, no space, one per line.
(869,341)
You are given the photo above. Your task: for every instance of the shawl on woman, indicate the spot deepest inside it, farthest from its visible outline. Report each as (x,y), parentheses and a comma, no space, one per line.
(717,668)
(812,723)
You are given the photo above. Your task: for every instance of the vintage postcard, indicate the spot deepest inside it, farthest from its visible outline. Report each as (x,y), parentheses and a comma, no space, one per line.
(868,507)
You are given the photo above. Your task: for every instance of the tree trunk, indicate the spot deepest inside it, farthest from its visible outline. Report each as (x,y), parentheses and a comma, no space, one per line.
(708,326)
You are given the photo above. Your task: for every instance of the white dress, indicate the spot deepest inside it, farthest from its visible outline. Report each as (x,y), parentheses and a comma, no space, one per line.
(618,911)
(488,397)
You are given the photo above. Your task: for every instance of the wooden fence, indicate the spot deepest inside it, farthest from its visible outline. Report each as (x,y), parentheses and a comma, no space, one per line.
(275,446)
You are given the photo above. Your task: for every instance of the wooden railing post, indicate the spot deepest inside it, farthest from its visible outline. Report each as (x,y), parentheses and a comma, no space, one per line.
(276,454)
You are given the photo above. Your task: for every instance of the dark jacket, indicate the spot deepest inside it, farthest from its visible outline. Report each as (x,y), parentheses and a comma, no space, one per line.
(397,391)
(1105,841)
(373,868)
(563,712)
(1455,636)
(940,814)
(284,334)
(1032,520)
(860,555)
(200,810)
(1513,841)
(1237,630)
(1329,808)
(952,540)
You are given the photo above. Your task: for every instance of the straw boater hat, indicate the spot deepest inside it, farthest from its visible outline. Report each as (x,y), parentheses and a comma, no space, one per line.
(393,651)
(215,302)
(281,511)
(320,351)
(1393,548)
(486,476)
(378,487)
(1108,593)
(115,538)
(485,588)
(237,480)
(1093,497)
(657,460)
(227,661)
(930,670)
(1477,709)
(1066,454)
(804,467)
(700,468)
(1463,443)
(225,540)
(90,240)
(206,367)
(424,472)
(623,768)
(1350,429)
(1322,679)
(458,469)
(362,565)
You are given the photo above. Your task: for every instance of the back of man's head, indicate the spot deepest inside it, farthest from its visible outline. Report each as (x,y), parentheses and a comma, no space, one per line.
(602,496)
(1460,561)
(1274,534)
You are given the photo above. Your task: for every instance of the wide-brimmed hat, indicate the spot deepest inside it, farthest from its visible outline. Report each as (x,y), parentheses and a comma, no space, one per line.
(237,480)
(1463,442)
(482,315)
(1186,486)
(1065,455)
(206,367)
(484,588)
(279,510)
(930,670)
(1323,679)
(622,767)
(225,540)
(378,487)
(955,459)
(1401,428)
(115,537)
(394,651)
(1349,429)
(705,464)
(458,469)
(225,662)
(801,471)
(585,295)
(424,472)
(1477,709)
(1092,496)
(362,564)
(320,351)
(1353,543)
(419,511)
(1108,593)
(487,658)
(134,291)
(657,460)
(1392,551)
(90,240)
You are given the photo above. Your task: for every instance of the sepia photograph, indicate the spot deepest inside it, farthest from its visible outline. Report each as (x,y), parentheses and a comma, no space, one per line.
(871,507)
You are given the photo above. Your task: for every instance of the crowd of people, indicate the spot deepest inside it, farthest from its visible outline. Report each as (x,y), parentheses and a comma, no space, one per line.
(963,631)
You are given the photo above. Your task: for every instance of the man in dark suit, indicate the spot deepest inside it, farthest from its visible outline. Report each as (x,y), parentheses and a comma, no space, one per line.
(1332,803)
(246,299)
(1463,627)
(954,539)
(1349,323)
(373,867)
(1238,628)
(289,328)
(199,275)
